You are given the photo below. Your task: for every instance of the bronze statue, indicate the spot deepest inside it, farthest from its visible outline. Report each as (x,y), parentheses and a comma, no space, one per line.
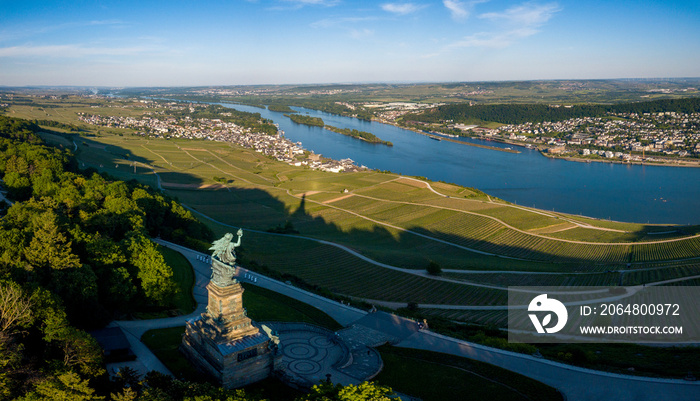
(224,249)
(224,260)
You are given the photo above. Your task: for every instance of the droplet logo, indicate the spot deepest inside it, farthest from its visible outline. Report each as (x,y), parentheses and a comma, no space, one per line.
(543,304)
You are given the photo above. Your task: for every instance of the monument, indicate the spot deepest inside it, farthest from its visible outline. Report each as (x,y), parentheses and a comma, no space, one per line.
(223,342)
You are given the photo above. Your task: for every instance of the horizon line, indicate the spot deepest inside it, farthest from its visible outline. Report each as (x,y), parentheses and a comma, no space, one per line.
(340,83)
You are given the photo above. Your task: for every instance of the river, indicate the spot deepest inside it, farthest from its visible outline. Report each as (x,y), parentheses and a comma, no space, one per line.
(632,193)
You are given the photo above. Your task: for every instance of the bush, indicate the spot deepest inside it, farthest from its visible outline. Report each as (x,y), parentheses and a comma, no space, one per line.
(434,269)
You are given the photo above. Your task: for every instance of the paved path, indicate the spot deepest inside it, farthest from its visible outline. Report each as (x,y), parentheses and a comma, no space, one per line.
(577,384)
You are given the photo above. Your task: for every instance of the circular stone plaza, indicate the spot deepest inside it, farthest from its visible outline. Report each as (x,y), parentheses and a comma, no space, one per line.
(311,353)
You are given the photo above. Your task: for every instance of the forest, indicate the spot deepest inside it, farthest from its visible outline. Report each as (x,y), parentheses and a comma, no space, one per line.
(536,113)
(75,252)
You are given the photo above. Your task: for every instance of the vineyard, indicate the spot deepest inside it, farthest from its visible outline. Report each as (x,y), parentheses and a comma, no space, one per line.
(498,318)
(554,279)
(657,274)
(672,250)
(379,215)
(481,232)
(349,275)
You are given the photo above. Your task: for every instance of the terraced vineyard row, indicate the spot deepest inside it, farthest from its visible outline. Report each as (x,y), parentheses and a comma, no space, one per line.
(516,244)
(397,192)
(661,274)
(509,279)
(497,318)
(482,233)
(666,250)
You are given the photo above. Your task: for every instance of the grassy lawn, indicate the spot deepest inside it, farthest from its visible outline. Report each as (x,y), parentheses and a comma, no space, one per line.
(183,273)
(266,305)
(436,376)
(164,343)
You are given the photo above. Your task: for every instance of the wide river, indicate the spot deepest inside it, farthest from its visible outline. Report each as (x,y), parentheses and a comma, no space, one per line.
(643,194)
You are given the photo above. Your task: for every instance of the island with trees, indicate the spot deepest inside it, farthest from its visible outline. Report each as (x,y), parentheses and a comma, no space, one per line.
(318,122)
(281,108)
(306,120)
(362,135)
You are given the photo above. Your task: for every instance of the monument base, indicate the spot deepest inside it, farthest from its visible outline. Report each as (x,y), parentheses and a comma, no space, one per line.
(233,364)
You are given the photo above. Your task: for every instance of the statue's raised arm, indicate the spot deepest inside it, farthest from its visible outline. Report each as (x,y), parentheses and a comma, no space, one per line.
(224,249)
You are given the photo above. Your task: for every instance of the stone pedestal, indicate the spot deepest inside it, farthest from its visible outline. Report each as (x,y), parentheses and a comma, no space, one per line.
(225,344)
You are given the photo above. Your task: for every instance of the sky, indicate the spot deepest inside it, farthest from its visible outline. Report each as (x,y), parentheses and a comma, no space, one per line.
(244,42)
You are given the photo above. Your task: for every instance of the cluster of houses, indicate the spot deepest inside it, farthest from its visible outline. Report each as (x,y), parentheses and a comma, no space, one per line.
(670,133)
(275,146)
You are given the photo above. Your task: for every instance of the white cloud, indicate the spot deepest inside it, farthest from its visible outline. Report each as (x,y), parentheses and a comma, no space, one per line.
(351,25)
(528,15)
(512,24)
(460,9)
(484,39)
(402,8)
(457,8)
(70,51)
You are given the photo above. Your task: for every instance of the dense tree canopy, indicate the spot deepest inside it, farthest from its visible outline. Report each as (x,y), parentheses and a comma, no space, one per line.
(75,251)
(522,113)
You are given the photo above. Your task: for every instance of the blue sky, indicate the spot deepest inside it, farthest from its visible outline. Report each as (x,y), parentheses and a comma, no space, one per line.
(237,42)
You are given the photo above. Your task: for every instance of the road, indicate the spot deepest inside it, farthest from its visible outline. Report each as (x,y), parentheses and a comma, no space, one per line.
(577,384)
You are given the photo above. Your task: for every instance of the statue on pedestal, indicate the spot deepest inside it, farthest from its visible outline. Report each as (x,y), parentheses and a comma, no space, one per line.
(224,259)
(223,342)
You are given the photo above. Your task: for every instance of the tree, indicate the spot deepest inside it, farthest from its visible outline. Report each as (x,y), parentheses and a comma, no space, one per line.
(64,387)
(49,248)
(11,355)
(15,308)
(19,186)
(434,269)
(365,391)
(127,377)
(126,394)
(155,275)
(78,348)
